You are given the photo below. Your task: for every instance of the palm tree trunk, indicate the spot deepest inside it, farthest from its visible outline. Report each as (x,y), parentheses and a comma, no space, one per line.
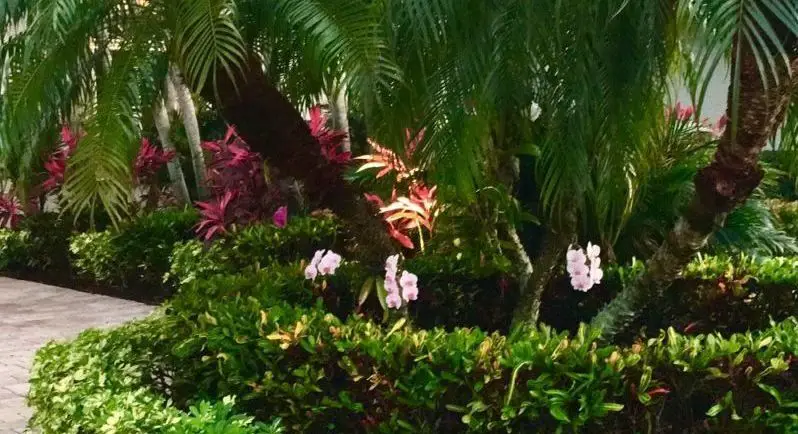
(273,127)
(161,119)
(720,187)
(189,115)
(171,97)
(339,111)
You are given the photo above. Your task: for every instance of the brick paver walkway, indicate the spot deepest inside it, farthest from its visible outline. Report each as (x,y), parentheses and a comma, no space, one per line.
(32,314)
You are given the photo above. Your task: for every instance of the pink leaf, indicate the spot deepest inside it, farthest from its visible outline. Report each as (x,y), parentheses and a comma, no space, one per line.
(280,217)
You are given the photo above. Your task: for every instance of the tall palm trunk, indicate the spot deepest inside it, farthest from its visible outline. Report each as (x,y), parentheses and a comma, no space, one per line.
(171,97)
(720,187)
(339,111)
(161,119)
(189,114)
(272,126)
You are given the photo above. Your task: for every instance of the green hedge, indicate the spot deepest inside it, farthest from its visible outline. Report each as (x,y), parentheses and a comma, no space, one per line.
(135,255)
(41,244)
(786,215)
(253,247)
(320,374)
(109,382)
(247,325)
(728,294)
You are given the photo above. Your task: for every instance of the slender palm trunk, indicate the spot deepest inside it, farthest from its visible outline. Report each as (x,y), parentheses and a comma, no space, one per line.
(189,115)
(720,187)
(339,110)
(161,119)
(272,126)
(171,97)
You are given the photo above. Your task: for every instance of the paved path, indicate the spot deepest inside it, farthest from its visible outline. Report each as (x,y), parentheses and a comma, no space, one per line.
(32,314)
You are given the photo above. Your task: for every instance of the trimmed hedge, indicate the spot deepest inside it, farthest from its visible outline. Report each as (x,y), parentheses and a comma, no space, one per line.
(109,382)
(253,247)
(248,341)
(135,255)
(320,374)
(727,294)
(41,244)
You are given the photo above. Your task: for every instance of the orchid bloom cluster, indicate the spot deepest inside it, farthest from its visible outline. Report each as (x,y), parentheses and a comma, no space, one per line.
(584,267)
(407,281)
(324,263)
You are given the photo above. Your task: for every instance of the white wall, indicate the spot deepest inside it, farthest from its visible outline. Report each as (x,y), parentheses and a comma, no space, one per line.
(715,100)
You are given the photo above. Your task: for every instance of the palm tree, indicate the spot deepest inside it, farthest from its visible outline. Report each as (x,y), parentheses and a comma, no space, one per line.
(188,113)
(472,76)
(339,111)
(763,40)
(210,42)
(163,126)
(599,70)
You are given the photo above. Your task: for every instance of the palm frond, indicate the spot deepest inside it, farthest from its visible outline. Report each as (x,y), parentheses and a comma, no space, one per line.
(208,40)
(99,173)
(711,26)
(329,41)
(750,229)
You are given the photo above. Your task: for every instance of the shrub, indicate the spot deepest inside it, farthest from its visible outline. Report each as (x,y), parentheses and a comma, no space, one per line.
(135,255)
(109,381)
(464,288)
(727,294)
(253,247)
(39,245)
(321,374)
(14,250)
(786,215)
(241,193)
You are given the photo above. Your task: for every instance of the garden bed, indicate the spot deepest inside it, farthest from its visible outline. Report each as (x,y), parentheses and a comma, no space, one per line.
(247,340)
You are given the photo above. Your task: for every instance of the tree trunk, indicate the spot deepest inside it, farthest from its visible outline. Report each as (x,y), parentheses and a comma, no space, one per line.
(552,255)
(171,97)
(720,187)
(273,127)
(339,111)
(189,115)
(161,119)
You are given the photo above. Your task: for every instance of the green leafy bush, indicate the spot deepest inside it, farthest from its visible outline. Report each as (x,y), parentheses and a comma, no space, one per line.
(462,288)
(727,294)
(321,374)
(786,215)
(253,247)
(40,244)
(112,382)
(135,255)
(14,250)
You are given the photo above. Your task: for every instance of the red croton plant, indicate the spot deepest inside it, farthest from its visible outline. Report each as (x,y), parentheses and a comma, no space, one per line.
(149,161)
(416,208)
(331,141)
(10,211)
(237,184)
(57,162)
